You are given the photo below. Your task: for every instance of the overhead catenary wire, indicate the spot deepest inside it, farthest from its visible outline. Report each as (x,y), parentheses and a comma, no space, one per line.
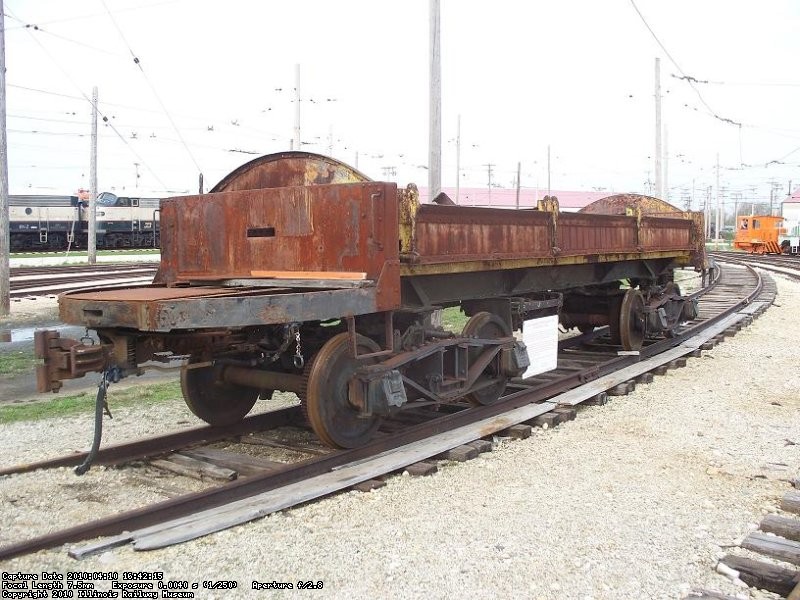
(690,80)
(138,63)
(89,101)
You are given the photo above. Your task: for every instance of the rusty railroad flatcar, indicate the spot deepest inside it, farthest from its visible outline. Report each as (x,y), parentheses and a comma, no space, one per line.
(297,273)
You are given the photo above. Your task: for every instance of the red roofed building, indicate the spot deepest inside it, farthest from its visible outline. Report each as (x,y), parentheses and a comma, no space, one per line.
(568,201)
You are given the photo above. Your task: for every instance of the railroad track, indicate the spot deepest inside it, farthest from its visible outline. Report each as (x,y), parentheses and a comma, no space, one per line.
(43,281)
(589,369)
(781,264)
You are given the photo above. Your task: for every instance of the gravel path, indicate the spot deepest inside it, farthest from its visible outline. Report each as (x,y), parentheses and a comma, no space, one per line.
(635,499)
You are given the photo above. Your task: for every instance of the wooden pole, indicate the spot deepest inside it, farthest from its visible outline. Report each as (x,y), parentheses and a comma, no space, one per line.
(5,239)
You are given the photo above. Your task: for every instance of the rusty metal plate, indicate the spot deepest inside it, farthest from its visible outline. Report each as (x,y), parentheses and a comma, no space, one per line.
(286,169)
(448,235)
(234,235)
(168,309)
(460,233)
(621,204)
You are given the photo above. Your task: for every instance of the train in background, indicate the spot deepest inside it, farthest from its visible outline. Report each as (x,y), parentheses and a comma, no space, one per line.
(766,234)
(62,222)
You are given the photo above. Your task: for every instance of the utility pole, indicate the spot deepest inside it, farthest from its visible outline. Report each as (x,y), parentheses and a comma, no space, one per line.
(659,183)
(666,164)
(771,197)
(519,170)
(330,141)
(548,169)
(716,230)
(91,245)
(5,239)
(296,140)
(708,212)
(435,124)
(356,165)
(458,158)
(391,171)
(489,169)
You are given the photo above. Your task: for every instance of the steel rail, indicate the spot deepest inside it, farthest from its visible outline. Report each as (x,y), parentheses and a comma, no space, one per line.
(250,486)
(779,267)
(148,447)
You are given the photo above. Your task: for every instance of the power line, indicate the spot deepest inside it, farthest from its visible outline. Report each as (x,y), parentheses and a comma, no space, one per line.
(152,87)
(88,100)
(689,79)
(90,16)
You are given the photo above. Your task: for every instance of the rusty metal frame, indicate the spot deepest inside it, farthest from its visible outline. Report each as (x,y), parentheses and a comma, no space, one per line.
(388,324)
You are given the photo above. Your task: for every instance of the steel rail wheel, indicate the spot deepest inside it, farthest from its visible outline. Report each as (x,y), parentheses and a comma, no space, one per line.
(632,320)
(214,401)
(327,404)
(486,325)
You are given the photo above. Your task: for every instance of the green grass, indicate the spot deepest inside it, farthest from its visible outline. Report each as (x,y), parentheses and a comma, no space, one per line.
(453,319)
(16,362)
(66,406)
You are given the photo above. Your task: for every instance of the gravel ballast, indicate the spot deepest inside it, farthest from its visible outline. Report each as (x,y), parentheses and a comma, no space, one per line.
(634,499)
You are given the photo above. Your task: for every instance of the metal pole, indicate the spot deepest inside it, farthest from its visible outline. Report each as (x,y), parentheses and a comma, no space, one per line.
(296,140)
(716,220)
(548,169)
(458,159)
(519,168)
(5,239)
(435,124)
(666,164)
(659,189)
(91,244)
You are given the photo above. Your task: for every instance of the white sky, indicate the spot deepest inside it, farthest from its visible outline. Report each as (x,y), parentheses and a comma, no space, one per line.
(575,74)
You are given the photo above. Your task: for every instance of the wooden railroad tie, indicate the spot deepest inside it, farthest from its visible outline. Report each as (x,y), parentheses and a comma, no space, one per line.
(459,454)
(481,446)
(785,527)
(791,502)
(368,485)
(545,421)
(622,389)
(645,378)
(773,546)
(194,468)
(778,538)
(597,400)
(422,469)
(520,431)
(763,575)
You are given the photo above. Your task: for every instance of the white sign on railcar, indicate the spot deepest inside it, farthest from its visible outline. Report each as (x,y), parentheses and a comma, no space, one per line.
(541,339)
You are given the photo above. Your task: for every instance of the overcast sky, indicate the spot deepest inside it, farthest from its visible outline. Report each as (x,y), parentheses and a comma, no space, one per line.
(577,75)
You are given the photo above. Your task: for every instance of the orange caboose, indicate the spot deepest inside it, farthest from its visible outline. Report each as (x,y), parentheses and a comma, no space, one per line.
(759,234)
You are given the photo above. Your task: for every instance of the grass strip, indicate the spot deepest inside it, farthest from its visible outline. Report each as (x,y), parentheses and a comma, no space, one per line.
(16,362)
(55,407)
